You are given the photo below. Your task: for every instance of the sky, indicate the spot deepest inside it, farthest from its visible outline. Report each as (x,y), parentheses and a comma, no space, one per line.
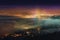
(30,12)
(29,2)
(13,7)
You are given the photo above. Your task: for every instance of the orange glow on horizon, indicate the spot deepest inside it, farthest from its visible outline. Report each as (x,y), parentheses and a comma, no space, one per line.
(29,13)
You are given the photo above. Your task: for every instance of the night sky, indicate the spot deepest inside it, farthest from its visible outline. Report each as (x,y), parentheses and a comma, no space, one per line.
(29,2)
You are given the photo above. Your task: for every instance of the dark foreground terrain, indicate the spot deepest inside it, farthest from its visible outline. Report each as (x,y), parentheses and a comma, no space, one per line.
(49,36)
(21,36)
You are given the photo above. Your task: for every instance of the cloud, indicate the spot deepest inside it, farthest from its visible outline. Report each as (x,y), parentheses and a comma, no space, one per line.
(50,25)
